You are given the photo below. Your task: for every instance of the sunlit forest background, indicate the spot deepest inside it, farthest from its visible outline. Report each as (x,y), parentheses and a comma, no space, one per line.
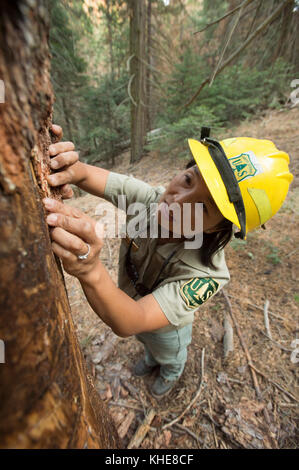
(239,55)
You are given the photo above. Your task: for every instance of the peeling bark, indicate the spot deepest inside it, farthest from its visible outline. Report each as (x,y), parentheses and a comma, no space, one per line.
(47,397)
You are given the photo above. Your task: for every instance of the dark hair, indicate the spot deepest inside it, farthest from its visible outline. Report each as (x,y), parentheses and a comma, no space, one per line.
(215,241)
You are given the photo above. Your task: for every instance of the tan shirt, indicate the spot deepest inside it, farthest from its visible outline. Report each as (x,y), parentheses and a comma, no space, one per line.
(186,283)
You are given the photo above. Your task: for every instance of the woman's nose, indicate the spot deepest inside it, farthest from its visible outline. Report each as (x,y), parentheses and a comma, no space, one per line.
(180,198)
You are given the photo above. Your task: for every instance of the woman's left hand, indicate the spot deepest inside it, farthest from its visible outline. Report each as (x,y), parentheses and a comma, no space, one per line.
(74,234)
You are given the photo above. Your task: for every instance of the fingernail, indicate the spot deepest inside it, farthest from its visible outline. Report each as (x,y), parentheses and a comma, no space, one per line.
(52,179)
(52,218)
(48,202)
(54,164)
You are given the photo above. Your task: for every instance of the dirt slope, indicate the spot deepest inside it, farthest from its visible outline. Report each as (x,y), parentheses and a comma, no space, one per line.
(228,412)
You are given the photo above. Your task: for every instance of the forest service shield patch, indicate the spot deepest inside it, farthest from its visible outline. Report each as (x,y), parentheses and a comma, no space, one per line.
(198,290)
(245,165)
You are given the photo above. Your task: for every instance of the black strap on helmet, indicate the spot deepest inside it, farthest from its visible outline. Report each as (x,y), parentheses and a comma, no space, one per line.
(228,177)
(204,132)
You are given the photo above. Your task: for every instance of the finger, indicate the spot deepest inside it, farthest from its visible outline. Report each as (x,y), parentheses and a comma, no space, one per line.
(57,130)
(52,205)
(63,254)
(68,241)
(66,191)
(55,149)
(63,159)
(82,227)
(61,177)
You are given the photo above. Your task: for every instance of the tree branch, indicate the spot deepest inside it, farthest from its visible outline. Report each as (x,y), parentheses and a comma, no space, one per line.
(230,34)
(261,28)
(222,17)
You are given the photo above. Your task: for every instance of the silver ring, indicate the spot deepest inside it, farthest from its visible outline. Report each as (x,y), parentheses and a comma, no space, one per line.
(86,254)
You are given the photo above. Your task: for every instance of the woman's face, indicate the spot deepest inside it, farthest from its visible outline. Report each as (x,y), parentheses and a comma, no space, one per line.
(190,187)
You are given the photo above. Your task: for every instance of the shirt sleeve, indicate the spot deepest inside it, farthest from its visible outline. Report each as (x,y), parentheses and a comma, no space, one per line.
(180,299)
(134,189)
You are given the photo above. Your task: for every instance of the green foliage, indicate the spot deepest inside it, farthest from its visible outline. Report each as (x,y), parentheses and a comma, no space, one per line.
(107,108)
(239,92)
(174,135)
(236,94)
(238,244)
(68,70)
(273,256)
(182,84)
(273,253)
(216,307)
(90,78)
(92,107)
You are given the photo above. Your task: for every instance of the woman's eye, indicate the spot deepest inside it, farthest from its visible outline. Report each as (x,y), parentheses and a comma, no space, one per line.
(187,179)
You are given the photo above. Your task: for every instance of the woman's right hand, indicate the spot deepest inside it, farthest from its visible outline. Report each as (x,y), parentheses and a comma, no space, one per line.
(64,159)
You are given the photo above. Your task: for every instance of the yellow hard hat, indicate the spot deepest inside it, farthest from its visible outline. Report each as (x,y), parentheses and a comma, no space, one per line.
(247,178)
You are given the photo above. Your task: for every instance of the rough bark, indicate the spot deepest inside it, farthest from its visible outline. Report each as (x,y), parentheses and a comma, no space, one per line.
(137,85)
(47,397)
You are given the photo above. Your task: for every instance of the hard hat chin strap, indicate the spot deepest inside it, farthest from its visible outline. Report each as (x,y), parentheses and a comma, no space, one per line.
(228,177)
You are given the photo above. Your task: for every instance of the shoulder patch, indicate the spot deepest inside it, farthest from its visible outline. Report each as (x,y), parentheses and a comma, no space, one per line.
(198,290)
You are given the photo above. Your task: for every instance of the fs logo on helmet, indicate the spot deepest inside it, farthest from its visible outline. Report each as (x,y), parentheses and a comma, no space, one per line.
(243,166)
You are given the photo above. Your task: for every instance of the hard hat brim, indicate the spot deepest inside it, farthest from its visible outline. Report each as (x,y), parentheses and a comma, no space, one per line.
(213,180)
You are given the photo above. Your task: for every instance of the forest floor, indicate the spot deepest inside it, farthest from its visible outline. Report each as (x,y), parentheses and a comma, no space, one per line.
(230,411)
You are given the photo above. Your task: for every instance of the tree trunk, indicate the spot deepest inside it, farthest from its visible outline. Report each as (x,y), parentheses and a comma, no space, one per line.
(284,38)
(148,70)
(110,38)
(137,83)
(47,397)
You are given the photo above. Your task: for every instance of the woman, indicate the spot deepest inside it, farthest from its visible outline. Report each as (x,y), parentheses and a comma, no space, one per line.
(162,282)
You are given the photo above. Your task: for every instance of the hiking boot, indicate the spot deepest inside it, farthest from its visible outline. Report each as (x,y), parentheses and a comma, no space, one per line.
(141,368)
(161,387)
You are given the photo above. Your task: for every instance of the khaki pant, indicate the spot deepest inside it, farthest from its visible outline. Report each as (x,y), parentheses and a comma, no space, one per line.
(169,350)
